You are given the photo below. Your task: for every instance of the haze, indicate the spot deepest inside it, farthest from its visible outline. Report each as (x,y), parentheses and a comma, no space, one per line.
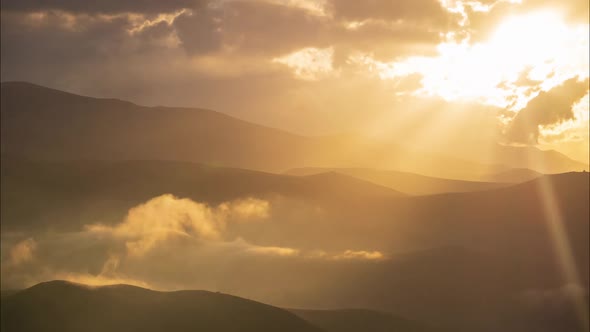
(295,165)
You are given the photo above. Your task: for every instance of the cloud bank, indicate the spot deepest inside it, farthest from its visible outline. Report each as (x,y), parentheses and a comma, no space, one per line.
(165,243)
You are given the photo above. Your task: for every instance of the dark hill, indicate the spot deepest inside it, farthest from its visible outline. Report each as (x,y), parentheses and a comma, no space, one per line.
(359,320)
(37,191)
(63,306)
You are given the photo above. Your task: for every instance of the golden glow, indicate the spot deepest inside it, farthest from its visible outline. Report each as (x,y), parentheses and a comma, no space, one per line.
(309,63)
(561,245)
(525,55)
(315,7)
(141,23)
(22,252)
(538,46)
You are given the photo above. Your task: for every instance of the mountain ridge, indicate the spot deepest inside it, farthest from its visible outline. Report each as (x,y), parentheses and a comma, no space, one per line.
(65,306)
(111,129)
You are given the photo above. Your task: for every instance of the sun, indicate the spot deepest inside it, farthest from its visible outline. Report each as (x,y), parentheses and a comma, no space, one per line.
(526,54)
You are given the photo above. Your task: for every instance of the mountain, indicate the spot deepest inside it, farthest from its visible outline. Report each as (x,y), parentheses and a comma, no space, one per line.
(359,320)
(409,183)
(456,260)
(64,306)
(66,191)
(516,175)
(357,213)
(47,124)
(542,161)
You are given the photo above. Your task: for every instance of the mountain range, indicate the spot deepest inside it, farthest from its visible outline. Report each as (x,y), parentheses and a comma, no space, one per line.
(48,124)
(356,234)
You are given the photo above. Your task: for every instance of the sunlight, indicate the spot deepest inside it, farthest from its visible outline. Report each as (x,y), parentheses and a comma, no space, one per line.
(310,63)
(561,245)
(526,52)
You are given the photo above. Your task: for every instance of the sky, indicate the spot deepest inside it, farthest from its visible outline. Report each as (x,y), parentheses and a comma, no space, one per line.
(462,72)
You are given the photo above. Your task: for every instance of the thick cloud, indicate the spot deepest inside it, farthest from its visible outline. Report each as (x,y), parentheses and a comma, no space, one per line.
(103,6)
(166,217)
(430,11)
(547,108)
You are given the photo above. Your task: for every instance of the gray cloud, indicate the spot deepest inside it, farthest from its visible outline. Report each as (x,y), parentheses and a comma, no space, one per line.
(429,11)
(103,6)
(548,107)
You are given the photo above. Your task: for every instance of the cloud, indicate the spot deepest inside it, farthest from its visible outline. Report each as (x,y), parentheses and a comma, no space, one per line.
(278,251)
(309,63)
(247,209)
(166,243)
(430,11)
(22,252)
(104,6)
(361,254)
(166,218)
(547,108)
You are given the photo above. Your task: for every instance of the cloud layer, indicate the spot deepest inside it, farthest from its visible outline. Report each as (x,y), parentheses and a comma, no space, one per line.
(166,243)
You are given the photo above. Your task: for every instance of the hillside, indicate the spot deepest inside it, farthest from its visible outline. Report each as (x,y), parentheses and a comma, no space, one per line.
(358,320)
(43,123)
(495,246)
(409,183)
(64,306)
(517,175)
(47,192)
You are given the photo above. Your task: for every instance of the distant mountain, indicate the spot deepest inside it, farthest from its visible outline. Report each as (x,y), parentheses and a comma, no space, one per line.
(458,260)
(48,124)
(64,306)
(357,213)
(517,175)
(359,320)
(549,161)
(409,183)
(36,191)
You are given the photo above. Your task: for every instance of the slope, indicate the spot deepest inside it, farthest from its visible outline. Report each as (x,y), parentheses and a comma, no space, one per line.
(358,320)
(409,183)
(51,193)
(43,123)
(64,306)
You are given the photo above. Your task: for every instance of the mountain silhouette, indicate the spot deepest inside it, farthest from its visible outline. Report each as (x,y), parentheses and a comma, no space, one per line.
(48,124)
(65,306)
(357,320)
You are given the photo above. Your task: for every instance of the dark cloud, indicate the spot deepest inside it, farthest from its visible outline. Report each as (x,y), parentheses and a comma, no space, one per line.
(429,11)
(200,31)
(548,107)
(103,6)
(51,47)
(243,27)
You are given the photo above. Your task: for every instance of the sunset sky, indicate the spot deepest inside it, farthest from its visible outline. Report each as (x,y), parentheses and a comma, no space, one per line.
(456,72)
